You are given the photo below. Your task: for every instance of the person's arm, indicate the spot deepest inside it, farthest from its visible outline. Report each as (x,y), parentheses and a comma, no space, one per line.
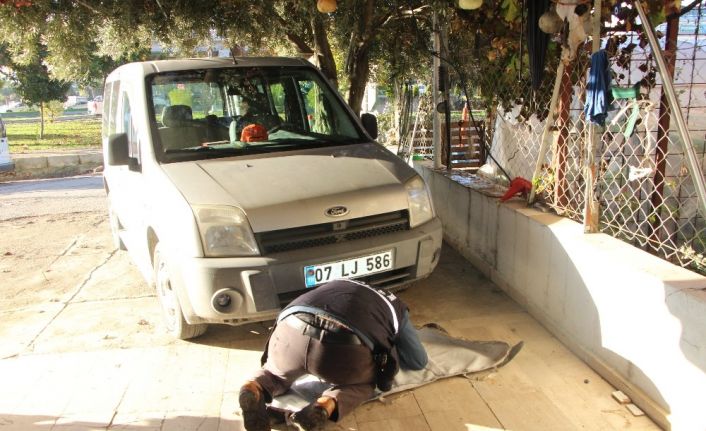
(410,349)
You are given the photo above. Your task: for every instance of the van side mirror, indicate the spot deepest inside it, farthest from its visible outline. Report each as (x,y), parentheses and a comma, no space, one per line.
(370,123)
(118,149)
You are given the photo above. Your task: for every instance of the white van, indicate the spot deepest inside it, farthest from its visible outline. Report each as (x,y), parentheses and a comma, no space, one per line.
(252,183)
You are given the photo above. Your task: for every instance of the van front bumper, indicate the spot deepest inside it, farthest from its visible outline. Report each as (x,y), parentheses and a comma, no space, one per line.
(257,287)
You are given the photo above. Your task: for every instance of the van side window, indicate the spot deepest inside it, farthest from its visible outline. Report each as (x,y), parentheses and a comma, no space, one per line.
(322,112)
(128,127)
(107,114)
(113,105)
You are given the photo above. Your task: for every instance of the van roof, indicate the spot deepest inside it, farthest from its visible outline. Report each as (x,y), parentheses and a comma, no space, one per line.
(157,66)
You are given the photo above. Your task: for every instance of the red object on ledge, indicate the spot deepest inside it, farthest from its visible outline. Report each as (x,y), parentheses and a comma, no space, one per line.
(517,186)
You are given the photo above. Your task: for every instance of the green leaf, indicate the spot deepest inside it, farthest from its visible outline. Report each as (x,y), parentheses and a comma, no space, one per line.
(512,10)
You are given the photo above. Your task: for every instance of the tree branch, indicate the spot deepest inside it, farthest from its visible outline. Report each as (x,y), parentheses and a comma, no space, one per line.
(684,10)
(325,59)
(383,20)
(299,43)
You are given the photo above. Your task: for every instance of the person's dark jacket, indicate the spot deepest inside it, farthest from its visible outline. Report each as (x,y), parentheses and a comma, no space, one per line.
(373,314)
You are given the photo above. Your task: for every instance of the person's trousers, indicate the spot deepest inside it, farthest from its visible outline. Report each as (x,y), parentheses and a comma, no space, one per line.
(350,368)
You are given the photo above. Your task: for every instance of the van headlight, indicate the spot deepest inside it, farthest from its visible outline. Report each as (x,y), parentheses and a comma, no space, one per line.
(225,231)
(420,208)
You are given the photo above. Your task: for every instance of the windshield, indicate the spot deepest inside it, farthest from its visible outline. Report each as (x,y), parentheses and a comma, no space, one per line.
(234,111)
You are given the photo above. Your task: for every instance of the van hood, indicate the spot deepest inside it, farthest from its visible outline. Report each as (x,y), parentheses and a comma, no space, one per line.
(292,189)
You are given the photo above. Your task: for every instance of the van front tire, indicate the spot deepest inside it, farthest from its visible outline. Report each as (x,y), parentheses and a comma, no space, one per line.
(173,317)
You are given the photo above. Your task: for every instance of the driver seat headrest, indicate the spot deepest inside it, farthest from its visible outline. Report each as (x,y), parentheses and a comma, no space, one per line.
(177,116)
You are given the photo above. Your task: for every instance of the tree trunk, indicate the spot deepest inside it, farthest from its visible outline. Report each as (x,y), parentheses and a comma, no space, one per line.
(359,78)
(358,58)
(41,120)
(396,107)
(322,49)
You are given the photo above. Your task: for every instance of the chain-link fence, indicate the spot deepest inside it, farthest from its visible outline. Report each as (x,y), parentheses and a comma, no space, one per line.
(642,187)
(646,194)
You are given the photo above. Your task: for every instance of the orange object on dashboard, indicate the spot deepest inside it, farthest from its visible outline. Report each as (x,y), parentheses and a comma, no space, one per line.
(253,133)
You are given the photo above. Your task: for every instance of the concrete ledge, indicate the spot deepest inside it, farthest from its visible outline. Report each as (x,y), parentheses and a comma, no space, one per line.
(9,166)
(636,319)
(63,161)
(30,163)
(26,166)
(90,159)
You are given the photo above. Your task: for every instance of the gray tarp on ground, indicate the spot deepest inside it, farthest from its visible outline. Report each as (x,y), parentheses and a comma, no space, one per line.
(448,357)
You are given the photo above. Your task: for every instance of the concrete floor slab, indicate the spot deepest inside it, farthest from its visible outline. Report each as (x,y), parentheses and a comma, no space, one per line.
(103,361)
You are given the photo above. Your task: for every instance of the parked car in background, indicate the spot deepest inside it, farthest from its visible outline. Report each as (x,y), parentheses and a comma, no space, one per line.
(75,102)
(13,106)
(95,106)
(235,202)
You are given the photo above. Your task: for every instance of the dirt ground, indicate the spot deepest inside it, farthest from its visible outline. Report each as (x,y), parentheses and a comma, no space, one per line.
(61,273)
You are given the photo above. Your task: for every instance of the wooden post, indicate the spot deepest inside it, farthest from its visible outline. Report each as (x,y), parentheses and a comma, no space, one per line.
(548,124)
(484,126)
(561,146)
(595,133)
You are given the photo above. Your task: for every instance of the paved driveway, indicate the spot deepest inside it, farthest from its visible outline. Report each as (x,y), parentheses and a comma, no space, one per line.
(83,347)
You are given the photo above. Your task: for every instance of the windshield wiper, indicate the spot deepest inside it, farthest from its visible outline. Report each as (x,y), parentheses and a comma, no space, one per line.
(202,152)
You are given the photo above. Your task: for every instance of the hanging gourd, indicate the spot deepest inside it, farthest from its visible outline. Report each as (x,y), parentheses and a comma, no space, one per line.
(550,22)
(326,6)
(470,4)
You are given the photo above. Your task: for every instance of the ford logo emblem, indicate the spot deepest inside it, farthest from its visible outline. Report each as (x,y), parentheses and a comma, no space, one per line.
(337,211)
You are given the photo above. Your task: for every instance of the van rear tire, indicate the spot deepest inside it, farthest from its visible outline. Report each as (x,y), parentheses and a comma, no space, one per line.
(172,315)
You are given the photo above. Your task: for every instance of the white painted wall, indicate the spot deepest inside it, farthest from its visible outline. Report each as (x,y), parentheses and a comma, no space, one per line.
(636,319)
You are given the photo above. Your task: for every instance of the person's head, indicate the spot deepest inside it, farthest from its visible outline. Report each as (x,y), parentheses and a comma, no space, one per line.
(244,106)
(254,103)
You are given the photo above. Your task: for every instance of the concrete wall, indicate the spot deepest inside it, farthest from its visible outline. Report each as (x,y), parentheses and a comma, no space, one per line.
(638,320)
(38,165)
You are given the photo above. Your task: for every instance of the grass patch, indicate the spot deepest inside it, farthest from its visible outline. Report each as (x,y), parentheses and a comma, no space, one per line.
(59,135)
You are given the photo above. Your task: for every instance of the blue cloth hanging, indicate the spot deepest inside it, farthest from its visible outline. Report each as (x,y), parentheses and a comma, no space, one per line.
(598,94)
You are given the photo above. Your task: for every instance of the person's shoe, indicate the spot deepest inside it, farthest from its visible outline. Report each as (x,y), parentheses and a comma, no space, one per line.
(252,402)
(311,418)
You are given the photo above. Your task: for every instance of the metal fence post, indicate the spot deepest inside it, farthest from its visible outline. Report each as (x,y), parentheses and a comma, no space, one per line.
(436,126)
(668,86)
(663,129)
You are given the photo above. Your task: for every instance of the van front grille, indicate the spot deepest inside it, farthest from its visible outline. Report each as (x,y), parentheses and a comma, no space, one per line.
(279,241)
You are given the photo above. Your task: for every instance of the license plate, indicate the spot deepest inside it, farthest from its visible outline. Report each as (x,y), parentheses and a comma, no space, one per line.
(315,275)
